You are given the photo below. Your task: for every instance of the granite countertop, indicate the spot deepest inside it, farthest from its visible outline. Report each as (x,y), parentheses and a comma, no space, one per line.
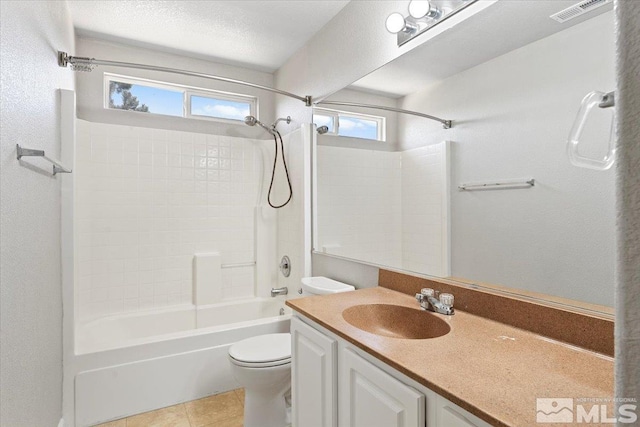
(493,370)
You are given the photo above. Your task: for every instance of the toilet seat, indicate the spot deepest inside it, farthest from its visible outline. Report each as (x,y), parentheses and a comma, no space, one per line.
(262,351)
(261,365)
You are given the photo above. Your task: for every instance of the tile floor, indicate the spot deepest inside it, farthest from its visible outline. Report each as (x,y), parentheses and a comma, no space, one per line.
(221,410)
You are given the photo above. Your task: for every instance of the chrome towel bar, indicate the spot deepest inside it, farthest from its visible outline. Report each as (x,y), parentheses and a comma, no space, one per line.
(493,185)
(28,152)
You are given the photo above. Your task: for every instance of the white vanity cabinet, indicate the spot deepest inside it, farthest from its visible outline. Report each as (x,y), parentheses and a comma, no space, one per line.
(313,377)
(335,384)
(451,415)
(369,397)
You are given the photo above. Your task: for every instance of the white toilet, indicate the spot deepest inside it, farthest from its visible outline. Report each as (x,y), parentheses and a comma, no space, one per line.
(323,285)
(262,365)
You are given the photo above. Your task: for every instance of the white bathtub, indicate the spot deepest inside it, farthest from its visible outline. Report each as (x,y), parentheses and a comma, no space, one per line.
(144,361)
(144,327)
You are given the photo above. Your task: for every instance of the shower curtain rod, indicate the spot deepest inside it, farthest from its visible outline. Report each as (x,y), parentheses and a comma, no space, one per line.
(79,63)
(445,123)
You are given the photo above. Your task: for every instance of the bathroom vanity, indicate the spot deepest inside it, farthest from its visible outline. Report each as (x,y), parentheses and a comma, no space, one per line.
(369,392)
(480,373)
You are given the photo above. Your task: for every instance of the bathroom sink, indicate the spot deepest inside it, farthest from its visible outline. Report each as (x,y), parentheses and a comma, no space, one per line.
(396,321)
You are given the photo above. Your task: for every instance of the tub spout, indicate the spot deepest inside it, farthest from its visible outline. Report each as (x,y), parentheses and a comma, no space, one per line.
(279,291)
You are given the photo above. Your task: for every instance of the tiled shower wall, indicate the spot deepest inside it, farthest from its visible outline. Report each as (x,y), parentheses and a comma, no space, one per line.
(146,201)
(359,204)
(388,208)
(425,236)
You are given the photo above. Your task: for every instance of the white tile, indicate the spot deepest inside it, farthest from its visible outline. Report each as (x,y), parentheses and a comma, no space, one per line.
(147,200)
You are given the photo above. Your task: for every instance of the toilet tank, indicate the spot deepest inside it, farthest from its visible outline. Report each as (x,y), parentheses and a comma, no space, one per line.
(323,285)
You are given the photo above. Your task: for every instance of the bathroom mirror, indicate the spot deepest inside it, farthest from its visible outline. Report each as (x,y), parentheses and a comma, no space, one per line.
(393,199)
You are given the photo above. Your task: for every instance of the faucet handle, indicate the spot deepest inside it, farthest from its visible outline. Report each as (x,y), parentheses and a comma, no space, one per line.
(427,292)
(446,299)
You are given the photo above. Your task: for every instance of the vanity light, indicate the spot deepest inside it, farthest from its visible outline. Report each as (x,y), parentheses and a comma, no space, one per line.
(396,23)
(423,8)
(424,14)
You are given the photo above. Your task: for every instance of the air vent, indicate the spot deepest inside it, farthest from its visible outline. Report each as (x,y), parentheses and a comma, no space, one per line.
(578,9)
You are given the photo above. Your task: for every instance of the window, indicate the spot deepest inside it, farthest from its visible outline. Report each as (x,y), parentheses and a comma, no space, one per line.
(354,125)
(328,120)
(207,106)
(148,96)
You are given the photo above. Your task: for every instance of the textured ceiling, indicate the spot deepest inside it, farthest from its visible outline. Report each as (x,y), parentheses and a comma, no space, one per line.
(258,34)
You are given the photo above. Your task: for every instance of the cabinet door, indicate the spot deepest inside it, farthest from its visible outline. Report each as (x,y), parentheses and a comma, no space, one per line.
(369,397)
(313,377)
(451,415)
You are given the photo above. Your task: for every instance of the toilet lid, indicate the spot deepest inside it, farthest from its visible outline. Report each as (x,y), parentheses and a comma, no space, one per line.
(262,349)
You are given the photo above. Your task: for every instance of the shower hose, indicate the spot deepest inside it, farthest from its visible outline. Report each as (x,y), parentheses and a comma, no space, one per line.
(276,137)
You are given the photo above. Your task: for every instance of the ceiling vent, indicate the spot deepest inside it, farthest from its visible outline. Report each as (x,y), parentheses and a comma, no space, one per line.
(578,9)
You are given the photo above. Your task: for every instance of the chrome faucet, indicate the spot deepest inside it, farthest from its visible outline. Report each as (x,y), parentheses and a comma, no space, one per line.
(279,291)
(428,301)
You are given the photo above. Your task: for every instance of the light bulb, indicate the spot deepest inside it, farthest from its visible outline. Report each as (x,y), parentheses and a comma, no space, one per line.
(419,8)
(395,23)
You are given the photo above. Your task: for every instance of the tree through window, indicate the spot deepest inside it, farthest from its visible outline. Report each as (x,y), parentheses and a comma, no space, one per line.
(168,99)
(129,101)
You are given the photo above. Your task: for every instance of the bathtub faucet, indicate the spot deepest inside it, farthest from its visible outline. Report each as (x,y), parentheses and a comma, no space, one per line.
(279,291)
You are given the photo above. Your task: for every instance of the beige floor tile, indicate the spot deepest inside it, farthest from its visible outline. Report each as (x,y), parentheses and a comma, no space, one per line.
(213,409)
(230,422)
(240,393)
(172,416)
(117,423)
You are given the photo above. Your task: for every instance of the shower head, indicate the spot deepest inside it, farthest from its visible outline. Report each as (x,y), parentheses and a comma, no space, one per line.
(322,130)
(252,121)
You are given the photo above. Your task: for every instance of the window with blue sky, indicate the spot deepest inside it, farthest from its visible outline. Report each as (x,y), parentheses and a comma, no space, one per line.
(126,93)
(324,120)
(351,125)
(220,108)
(357,127)
(158,101)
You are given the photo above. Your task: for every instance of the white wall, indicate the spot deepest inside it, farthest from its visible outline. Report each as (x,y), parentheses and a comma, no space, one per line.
(512,116)
(91,96)
(30,283)
(149,199)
